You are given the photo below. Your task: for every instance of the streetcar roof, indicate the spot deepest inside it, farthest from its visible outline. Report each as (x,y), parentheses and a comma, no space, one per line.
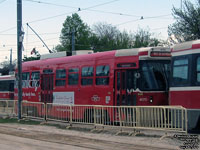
(186,48)
(7,77)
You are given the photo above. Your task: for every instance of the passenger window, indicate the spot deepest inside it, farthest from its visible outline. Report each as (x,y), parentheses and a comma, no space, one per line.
(35,79)
(87,76)
(180,71)
(25,79)
(102,75)
(60,77)
(48,71)
(198,69)
(73,76)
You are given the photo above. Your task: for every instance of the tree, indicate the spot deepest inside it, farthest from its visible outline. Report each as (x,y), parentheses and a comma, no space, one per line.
(33,52)
(108,37)
(187,25)
(143,38)
(6,67)
(82,34)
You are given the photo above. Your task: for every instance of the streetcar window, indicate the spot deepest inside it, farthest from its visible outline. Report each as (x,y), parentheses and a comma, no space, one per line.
(154,75)
(198,69)
(7,85)
(47,71)
(73,70)
(25,76)
(87,75)
(73,76)
(180,71)
(131,79)
(25,79)
(87,71)
(60,77)
(102,75)
(102,71)
(35,77)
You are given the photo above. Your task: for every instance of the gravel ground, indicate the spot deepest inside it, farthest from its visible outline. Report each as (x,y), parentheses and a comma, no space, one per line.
(32,137)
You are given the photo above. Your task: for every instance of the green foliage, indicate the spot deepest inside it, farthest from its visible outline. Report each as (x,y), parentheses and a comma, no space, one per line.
(30,58)
(107,37)
(82,34)
(103,37)
(14,120)
(6,67)
(142,38)
(187,25)
(33,52)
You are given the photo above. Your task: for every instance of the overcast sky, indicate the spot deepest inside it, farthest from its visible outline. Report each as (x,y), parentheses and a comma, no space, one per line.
(47,16)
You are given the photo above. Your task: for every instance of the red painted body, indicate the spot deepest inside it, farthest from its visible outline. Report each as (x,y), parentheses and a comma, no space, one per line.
(92,94)
(187,99)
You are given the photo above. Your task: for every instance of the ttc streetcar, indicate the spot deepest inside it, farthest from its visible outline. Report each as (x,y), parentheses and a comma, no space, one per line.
(127,77)
(185,80)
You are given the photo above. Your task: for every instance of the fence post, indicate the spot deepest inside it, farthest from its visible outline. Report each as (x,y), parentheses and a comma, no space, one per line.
(95,115)
(120,119)
(165,119)
(45,111)
(186,121)
(7,108)
(70,122)
(102,116)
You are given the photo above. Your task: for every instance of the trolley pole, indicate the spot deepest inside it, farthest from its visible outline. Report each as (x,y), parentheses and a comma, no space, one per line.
(19,54)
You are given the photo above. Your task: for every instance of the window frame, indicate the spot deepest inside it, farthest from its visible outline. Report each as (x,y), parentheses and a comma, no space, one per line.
(88,78)
(60,79)
(26,82)
(188,81)
(73,71)
(103,76)
(37,81)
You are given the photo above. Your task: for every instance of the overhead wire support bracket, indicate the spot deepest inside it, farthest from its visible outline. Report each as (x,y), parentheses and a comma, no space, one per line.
(50,51)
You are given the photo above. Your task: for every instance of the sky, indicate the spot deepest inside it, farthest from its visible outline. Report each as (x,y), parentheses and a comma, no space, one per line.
(46,17)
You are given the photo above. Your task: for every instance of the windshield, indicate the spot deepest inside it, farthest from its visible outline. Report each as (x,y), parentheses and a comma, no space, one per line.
(154,75)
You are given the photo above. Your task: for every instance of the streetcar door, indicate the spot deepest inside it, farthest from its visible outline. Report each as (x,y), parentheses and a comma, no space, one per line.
(47,87)
(125,84)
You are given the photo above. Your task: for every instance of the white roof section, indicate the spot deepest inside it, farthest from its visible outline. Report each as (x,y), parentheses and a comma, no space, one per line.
(53,55)
(82,52)
(7,77)
(136,51)
(63,54)
(126,52)
(185,45)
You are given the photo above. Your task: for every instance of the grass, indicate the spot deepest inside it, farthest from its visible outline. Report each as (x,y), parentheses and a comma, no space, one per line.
(14,120)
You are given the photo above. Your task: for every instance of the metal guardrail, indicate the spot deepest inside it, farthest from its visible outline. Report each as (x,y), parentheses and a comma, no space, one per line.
(169,118)
(8,108)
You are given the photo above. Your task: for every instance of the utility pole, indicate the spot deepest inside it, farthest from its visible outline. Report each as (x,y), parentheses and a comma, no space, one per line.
(10,60)
(19,54)
(73,40)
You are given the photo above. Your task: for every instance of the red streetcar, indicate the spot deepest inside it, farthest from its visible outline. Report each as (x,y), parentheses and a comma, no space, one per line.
(185,80)
(129,77)
(7,87)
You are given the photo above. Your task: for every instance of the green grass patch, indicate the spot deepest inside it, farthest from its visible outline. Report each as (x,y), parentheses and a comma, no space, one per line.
(14,120)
